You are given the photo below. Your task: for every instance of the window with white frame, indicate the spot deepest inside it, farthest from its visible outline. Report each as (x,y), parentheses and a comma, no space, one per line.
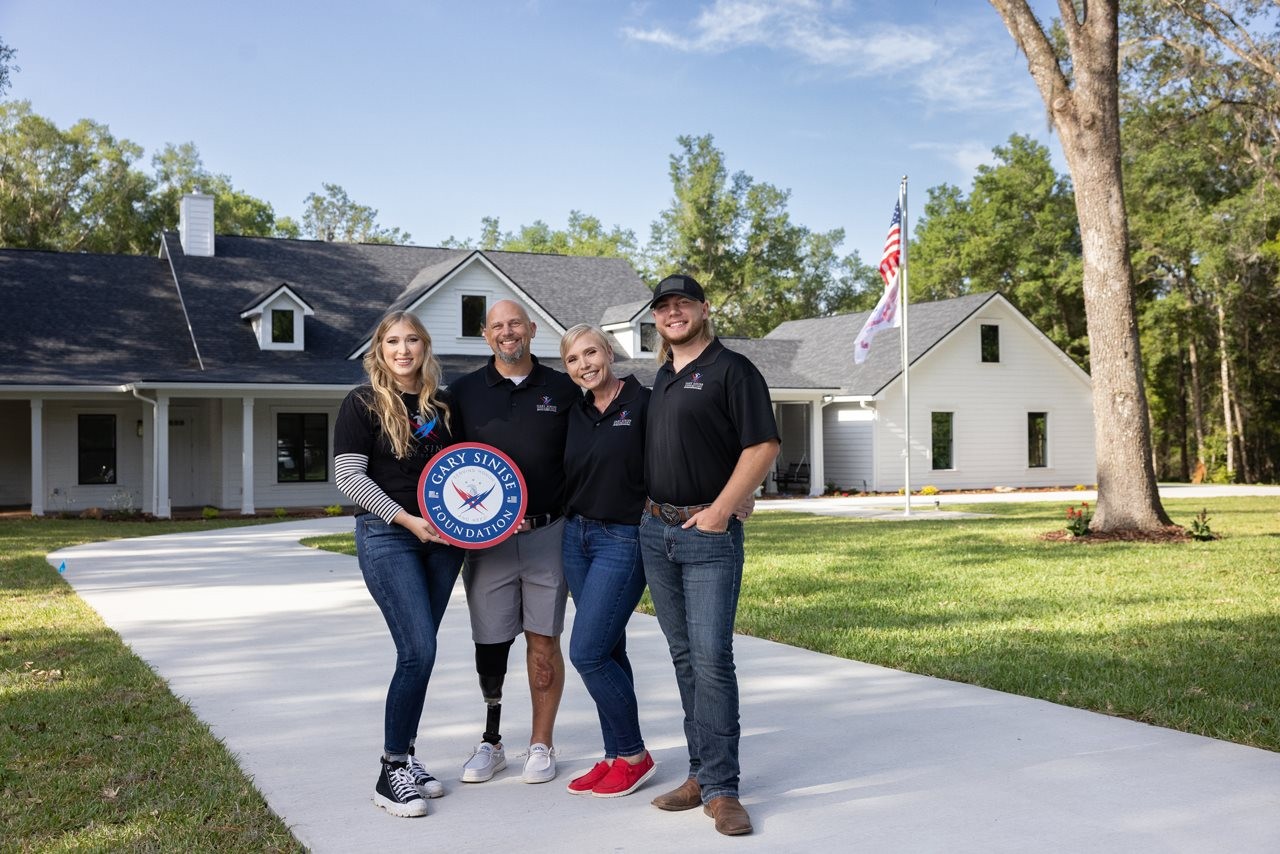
(1037,440)
(96,449)
(943,442)
(302,447)
(474,309)
(281,326)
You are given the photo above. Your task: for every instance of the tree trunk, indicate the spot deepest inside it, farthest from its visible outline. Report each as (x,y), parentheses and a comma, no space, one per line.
(1225,370)
(1197,393)
(1086,114)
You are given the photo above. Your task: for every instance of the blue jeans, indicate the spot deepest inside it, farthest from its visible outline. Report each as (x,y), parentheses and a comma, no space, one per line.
(411,581)
(602,566)
(694,578)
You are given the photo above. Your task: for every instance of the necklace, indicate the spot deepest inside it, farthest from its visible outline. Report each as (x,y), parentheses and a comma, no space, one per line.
(617,388)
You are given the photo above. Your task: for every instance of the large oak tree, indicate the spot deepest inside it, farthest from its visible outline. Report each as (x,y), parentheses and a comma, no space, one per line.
(1080,86)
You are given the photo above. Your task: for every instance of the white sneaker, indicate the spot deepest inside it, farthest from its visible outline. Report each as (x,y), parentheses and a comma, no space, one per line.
(486,761)
(540,766)
(428,786)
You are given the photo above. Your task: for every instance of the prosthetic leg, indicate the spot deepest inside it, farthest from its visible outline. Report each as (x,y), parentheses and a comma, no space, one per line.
(491,665)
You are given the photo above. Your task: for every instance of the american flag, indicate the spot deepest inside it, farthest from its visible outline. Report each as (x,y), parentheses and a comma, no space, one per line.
(892,255)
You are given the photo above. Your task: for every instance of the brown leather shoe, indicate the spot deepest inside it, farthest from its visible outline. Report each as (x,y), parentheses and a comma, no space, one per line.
(731,818)
(688,796)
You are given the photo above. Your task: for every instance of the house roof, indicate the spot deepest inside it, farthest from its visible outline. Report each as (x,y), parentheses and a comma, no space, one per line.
(825,344)
(83,319)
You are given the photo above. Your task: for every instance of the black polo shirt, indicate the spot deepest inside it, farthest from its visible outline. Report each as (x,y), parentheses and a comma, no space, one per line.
(527,422)
(358,431)
(604,460)
(699,421)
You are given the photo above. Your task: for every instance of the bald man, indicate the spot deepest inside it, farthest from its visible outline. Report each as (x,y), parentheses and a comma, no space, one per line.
(521,407)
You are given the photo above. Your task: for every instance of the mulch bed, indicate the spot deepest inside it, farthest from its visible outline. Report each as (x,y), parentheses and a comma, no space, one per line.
(1167,534)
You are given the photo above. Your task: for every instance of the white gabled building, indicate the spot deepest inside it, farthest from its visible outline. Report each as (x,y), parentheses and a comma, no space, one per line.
(993,402)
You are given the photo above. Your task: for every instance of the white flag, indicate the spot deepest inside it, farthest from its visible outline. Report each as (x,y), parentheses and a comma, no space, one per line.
(883,316)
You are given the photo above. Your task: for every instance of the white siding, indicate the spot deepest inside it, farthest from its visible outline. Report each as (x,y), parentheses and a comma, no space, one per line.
(61,471)
(268,492)
(442,314)
(990,402)
(848,446)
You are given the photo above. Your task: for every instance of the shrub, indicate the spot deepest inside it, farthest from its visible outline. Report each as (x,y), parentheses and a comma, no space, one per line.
(333,510)
(210,512)
(1200,526)
(929,490)
(1078,519)
(280,512)
(1079,487)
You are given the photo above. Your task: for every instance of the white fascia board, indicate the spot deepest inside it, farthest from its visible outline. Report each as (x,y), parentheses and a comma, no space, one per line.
(25,391)
(243,389)
(854,398)
(800,394)
(616,327)
(256,310)
(1047,342)
(462,265)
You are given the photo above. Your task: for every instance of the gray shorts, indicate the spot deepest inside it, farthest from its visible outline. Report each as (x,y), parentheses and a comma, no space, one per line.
(517,586)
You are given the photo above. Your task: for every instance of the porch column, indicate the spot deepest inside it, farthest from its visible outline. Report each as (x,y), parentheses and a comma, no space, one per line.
(163,511)
(817,471)
(37,457)
(246,457)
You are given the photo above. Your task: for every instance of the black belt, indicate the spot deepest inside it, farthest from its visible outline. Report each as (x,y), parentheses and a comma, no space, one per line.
(542,520)
(672,514)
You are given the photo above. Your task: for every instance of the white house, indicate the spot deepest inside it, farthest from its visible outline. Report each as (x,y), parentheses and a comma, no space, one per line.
(225,359)
(992,401)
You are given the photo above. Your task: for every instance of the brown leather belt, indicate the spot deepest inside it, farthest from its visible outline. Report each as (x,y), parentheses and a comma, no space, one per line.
(532,523)
(672,514)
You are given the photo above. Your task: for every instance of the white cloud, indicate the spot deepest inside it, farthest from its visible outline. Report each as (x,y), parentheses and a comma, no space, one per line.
(948,70)
(966,156)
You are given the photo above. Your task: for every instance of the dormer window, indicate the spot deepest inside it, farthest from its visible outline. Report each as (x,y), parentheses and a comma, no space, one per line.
(648,337)
(281,326)
(278,319)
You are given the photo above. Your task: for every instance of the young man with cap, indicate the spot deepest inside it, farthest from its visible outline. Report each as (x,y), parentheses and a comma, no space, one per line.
(710,440)
(520,407)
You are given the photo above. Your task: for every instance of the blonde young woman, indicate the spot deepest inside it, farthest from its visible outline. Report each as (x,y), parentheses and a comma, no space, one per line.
(385,434)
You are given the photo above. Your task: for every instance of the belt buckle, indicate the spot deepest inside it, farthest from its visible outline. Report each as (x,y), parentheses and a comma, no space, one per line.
(669,513)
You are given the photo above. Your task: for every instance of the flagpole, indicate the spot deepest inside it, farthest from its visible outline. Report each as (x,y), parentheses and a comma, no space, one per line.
(906,382)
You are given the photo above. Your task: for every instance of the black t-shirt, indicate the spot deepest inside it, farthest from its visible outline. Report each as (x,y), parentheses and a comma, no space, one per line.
(604,460)
(527,422)
(699,421)
(358,431)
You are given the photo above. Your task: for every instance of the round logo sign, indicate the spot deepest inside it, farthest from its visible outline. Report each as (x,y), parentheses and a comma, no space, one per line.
(473,494)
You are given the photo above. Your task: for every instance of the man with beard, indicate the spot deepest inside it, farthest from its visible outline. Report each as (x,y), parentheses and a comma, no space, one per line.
(710,440)
(521,407)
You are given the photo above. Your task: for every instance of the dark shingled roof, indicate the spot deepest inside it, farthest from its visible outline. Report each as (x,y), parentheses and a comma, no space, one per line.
(114,319)
(81,319)
(78,319)
(826,343)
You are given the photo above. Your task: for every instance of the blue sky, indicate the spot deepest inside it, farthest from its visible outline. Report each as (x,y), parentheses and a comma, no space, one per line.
(439,113)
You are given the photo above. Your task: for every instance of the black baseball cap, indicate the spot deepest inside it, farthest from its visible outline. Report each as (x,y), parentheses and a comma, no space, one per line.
(685,286)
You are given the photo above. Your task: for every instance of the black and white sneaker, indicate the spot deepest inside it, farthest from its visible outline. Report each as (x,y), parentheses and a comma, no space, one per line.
(428,786)
(396,792)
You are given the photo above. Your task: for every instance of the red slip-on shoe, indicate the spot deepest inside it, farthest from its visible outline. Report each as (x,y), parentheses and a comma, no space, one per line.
(624,778)
(585,783)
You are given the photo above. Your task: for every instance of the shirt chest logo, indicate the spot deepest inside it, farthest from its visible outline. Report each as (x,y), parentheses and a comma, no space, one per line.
(546,405)
(623,419)
(694,382)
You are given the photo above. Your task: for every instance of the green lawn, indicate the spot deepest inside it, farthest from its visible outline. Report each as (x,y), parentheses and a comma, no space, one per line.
(1180,635)
(95,753)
